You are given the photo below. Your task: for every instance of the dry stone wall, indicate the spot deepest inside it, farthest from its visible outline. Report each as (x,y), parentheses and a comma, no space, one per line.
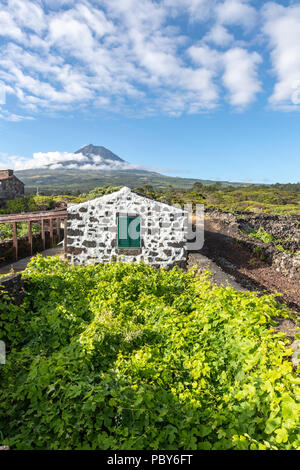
(13,286)
(287,264)
(286,230)
(10,187)
(92,231)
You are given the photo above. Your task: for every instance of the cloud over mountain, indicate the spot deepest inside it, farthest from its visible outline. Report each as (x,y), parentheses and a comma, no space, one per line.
(88,158)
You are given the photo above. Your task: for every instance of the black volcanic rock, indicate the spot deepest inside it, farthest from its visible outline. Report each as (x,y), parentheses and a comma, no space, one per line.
(102,152)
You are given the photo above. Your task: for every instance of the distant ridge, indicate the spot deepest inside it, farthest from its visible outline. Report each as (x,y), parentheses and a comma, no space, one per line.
(98,166)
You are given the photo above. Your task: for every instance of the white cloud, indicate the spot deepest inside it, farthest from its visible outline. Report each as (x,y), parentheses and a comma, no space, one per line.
(241,76)
(72,161)
(127,56)
(66,160)
(8,27)
(199,10)
(237,12)
(11,117)
(27,14)
(219,36)
(282,27)
(238,69)
(203,55)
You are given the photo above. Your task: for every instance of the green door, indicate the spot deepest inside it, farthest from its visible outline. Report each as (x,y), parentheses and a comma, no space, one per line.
(129,228)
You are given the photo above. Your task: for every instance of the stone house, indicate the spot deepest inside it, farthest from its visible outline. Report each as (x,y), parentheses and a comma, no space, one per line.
(125,226)
(10,186)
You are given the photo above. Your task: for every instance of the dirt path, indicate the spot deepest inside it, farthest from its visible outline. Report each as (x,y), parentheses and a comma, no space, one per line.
(219,277)
(247,270)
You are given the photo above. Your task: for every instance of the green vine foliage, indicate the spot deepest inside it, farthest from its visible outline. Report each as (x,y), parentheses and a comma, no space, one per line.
(122,356)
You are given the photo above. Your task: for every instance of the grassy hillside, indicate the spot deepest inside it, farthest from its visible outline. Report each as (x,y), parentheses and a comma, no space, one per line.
(80,181)
(275,199)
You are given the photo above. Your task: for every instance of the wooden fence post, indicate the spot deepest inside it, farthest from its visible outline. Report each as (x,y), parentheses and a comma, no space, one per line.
(51,232)
(15,241)
(58,229)
(43,234)
(65,233)
(30,236)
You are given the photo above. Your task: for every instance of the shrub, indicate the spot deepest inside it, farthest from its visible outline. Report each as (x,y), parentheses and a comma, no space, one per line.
(41,203)
(16,205)
(122,356)
(261,235)
(6,230)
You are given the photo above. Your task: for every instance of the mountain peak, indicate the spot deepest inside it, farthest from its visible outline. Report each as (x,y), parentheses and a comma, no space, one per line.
(100,151)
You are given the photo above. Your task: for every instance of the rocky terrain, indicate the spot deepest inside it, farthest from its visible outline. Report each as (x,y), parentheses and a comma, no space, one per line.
(254,264)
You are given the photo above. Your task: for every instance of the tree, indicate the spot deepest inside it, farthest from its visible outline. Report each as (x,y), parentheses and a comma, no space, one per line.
(197,187)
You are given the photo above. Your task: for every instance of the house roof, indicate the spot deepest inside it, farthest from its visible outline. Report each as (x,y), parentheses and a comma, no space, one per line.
(123,193)
(5,177)
(11,177)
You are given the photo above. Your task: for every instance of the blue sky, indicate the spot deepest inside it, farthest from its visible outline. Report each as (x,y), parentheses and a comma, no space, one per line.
(195,88)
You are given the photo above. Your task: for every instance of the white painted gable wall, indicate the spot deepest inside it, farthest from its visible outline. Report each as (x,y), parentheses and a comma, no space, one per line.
(92,231)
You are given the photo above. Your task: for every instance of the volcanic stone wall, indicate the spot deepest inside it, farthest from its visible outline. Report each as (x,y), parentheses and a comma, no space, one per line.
(92,231)
(286,231)
(10,186)
(12,285)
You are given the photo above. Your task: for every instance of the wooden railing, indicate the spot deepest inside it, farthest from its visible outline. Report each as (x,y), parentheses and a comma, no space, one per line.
(58,216)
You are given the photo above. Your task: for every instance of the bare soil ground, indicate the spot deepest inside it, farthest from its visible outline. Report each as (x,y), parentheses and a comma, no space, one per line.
(247,270)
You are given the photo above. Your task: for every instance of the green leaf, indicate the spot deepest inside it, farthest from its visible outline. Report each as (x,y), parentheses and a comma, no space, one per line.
(281,435)
(272,424)
(204,431)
